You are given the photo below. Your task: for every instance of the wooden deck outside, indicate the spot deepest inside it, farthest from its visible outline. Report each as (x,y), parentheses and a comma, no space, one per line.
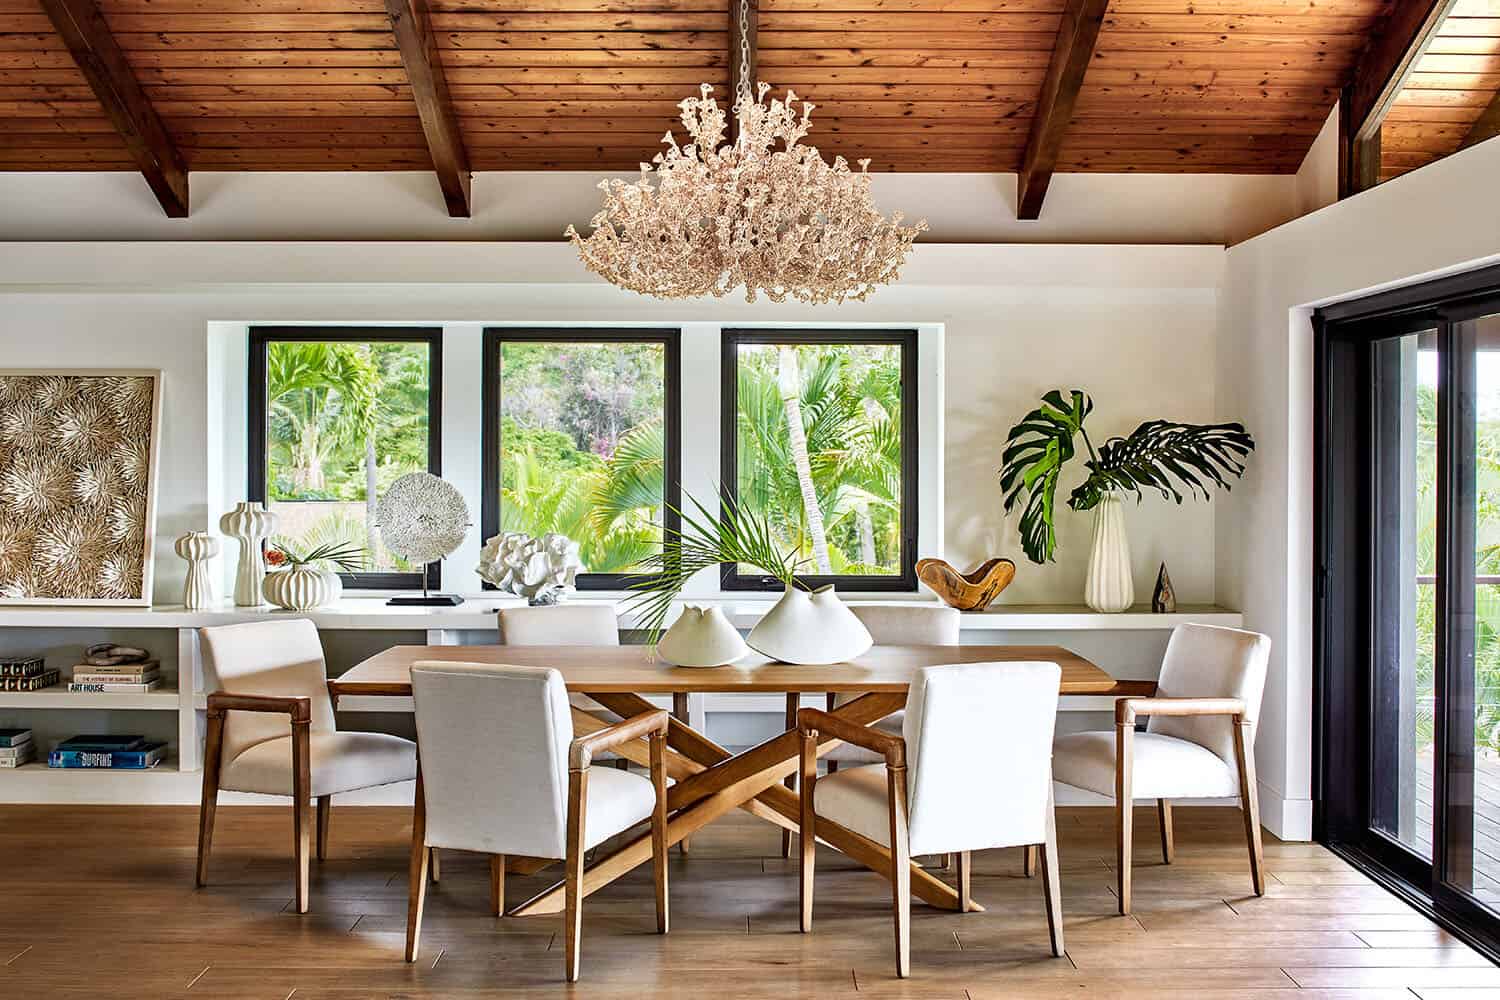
(1486,821)
(102,905)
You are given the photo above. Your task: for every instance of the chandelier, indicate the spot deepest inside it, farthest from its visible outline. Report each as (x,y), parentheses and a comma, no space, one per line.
(709,216)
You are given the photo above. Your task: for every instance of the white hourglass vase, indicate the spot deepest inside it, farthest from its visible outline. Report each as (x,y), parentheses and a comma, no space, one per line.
(249,524)
(197,548)
(1109,588)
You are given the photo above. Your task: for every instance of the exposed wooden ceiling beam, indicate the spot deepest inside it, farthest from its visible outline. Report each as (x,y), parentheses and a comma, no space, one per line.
(102,63)
(742,59)
(1071,55)
(429,89)
(1488,125)
(1381,72)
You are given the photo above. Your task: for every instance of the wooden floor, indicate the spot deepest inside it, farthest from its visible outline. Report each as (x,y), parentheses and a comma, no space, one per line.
(99,903)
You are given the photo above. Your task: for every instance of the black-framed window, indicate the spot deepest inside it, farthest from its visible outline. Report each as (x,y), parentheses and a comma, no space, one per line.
(336,415)
(832,414)
(582,437)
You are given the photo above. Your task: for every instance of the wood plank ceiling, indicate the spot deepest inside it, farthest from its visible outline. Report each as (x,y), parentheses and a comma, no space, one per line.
(1235,86)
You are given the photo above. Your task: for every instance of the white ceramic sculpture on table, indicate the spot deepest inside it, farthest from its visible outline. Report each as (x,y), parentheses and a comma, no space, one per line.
(701,637)
(302,588)
(250,524)
(197,548)
(810,627)
(542,570)
(1109,587)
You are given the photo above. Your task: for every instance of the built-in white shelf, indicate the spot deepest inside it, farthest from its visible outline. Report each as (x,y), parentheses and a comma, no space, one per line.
(161,699)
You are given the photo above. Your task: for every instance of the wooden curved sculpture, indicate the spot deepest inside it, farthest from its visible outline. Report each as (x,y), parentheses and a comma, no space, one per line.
(967,591)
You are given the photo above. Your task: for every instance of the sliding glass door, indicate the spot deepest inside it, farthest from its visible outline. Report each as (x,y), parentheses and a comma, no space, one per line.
(1408,585)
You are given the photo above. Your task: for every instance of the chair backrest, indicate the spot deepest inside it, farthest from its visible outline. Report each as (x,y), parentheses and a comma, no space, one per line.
(979,754)
(908,624)
(493,745)
(283,657)
(1208,661)
(560,625)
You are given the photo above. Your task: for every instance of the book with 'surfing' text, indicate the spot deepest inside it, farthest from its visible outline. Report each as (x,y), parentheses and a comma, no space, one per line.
(147,756)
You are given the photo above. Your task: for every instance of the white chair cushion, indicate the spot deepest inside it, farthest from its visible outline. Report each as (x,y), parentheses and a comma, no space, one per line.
(341,762)
(617,800)
(848,753)
(856,797)
(1165,767)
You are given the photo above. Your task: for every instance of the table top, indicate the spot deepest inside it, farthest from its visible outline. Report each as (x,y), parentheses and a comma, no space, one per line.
(637,670)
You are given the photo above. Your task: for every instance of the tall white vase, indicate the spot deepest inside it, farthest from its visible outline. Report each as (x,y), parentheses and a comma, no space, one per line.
(1109,588)
(197,547)
(812,627)
(249,524)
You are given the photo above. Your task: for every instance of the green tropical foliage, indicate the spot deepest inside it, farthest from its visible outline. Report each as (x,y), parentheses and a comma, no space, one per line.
(1162,455)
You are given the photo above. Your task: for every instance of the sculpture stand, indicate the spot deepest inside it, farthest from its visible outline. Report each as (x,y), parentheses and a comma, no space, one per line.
(426,600)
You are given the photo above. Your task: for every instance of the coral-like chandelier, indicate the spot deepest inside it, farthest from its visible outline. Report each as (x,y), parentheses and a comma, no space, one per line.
(710,216)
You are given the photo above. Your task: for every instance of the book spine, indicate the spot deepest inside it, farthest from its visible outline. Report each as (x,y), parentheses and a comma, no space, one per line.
(8,763)
(121,669)
(16,740)
(113,688)
(119,760)
(21,668)
(36,683)
(22,750)
(115,679)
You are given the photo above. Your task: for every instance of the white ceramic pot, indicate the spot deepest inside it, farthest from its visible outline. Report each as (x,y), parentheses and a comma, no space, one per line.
(701,637)
(197,547)
(249,524)
(1109,587)
(301,588)
(813,627)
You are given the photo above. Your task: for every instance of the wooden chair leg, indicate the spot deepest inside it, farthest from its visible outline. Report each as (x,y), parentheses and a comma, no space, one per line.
(497,884)
(209,806)
(325,811)
(808,836)
(302,808)
(659,829)
(1028,861)
(682,712)
(434,867)
(900,868)
(1051,883)
(416,883)
(1124,801)
(1244,752)
(578,790)
(1164,818)
(965,897)
(793,701)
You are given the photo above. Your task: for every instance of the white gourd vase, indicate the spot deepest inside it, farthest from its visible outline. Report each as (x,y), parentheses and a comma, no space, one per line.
(249,524)
(197,547)
(1109,588)
(701,637)
(813,627)
(300,588)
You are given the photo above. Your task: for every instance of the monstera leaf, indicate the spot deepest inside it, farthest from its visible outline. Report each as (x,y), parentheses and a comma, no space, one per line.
(1167,457)
(1035,451)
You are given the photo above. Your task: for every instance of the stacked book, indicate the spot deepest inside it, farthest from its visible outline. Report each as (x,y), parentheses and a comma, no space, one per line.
(127,753)
(15,747)
(121,678)
(26,673)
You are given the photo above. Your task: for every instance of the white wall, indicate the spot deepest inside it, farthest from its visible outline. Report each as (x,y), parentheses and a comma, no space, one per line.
(1134,325)
(1443,217)
(1318,177)
(960,208)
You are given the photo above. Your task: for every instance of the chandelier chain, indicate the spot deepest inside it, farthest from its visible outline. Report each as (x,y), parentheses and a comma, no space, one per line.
(744,90)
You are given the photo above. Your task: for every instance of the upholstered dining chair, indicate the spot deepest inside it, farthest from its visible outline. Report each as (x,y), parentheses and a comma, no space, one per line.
(271,730)
(938,790)
(1199,742)
(545,802)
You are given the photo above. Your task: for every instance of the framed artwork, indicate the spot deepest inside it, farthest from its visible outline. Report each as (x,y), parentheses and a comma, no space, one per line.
(78,457)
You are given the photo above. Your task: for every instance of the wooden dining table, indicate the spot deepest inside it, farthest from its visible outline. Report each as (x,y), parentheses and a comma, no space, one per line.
(708,780)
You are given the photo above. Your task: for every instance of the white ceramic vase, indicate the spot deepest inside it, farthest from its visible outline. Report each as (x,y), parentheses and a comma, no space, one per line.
(249,524)
(1109,587)
(197,547)
(813,627)
(301,588)
(701,637)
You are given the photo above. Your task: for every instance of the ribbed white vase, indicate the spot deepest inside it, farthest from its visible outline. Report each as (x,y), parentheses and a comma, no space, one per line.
(249,524)
(1109,587)
(301,588)
(197,547)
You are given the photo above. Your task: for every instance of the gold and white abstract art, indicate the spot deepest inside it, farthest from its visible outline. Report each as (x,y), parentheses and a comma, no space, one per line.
(77,485)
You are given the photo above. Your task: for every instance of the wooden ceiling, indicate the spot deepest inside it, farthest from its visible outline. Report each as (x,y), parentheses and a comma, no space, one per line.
(1225,86)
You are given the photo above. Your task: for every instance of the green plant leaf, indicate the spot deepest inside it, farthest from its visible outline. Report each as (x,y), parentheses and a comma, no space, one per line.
(1172,458)
(1036,449)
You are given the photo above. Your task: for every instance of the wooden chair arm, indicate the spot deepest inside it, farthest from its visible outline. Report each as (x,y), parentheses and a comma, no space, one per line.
(815,720)
(582,752)
(299,707)
(1126,709)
